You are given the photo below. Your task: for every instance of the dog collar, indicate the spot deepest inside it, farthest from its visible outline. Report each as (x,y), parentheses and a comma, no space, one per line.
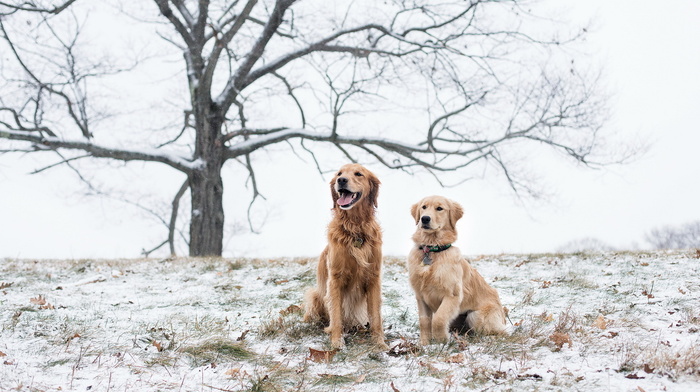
(427,249)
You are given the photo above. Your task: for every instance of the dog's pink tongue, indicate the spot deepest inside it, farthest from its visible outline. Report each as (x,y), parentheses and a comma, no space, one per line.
(345,200)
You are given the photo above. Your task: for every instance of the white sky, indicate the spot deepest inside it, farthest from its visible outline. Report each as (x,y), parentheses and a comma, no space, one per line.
(651,57)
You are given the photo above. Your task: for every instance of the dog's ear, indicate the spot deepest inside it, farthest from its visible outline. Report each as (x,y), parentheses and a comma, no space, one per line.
(456,213)
(334,194)
(415,212)
(374,183)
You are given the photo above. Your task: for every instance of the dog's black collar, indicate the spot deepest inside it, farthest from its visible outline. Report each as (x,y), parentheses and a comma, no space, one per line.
(436,248)
(427,249)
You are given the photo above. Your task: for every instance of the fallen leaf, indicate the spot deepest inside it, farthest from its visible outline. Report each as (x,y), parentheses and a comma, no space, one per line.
(560,339)
(240,338)
(290,310)
(648,369)
(361,378)
(393,388)
(157,345)
(633,376)
(321,356)
(47,306)
(457,358)
(281,281)
(8,363)
(546,284)
(4,285)
(70,338)
(641,389)
(39,300)
(547,318)
(600,322)
(428,366)
(404,348)
(2,354)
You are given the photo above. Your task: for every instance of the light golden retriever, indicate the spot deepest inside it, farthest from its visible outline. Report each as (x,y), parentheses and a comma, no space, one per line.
(451,294)
(348,292)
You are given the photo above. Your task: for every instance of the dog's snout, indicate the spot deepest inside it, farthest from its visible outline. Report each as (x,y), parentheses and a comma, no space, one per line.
(425,220)
(342,181)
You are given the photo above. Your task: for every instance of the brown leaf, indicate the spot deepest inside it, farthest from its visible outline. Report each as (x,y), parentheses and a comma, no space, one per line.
(547,318)
(360,379)
(404,348)
(47,306)
(2,354)
(600,322)
(240,338)
(641,389)
(457,358)
(393,388)
(633,376)
(157,345)
(321,356)
(648,369)
(546,284)
(560,339)
(290,310)
(39,300)
(4,285)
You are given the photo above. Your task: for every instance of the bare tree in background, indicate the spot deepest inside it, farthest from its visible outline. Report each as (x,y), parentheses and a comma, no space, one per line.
(675,237)
(472,81)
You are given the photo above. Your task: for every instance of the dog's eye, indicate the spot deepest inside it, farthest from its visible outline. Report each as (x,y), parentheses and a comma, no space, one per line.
(439,208)
(358,174)
(424,207)
(340,174)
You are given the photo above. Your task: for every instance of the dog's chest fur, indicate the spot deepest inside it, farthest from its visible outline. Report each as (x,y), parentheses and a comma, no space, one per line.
(440,279)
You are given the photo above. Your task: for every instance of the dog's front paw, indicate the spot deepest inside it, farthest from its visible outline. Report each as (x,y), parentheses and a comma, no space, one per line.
(338,344)
(380,345)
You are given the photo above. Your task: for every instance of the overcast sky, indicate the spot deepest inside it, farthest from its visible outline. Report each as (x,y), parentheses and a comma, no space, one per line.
(651,57)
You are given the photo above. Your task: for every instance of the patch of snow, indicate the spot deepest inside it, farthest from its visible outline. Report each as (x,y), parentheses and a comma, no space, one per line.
(128,325)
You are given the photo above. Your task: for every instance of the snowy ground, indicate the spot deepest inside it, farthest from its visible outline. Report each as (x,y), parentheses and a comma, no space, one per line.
(588,322)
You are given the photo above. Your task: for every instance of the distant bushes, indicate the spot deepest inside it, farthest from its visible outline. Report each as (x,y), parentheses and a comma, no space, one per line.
(675,237)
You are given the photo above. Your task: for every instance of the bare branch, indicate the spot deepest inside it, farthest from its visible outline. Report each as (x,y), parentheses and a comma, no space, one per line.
(31,7)
(97,151)
(173,215)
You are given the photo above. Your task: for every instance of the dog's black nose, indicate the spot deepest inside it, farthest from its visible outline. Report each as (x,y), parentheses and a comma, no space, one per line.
(342,181)
(425,219)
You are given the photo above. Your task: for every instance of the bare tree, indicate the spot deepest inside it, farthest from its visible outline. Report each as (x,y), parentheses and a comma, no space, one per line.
(449,86)
(675,237)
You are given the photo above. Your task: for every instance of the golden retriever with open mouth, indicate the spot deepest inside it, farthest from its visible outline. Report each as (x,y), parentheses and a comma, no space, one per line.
(348,292)
(451,294)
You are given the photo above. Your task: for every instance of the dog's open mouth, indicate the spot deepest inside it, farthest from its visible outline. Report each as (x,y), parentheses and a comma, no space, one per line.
(347,199)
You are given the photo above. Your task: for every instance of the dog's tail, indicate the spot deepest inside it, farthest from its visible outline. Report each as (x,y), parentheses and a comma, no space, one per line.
(314,307)
(488,320)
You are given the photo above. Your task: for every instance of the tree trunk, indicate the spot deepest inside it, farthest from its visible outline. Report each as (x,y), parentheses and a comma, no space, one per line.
(206,185)
(207,222)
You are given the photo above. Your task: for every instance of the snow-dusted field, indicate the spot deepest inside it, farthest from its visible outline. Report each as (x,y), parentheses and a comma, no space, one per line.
(587,322)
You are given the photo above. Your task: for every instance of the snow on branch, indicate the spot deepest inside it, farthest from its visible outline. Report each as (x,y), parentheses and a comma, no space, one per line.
(54,143)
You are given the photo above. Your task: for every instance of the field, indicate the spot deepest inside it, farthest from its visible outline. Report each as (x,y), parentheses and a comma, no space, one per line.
(619,321)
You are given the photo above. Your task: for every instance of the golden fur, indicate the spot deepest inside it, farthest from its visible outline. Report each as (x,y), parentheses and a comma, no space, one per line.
(450,293)
(348,292)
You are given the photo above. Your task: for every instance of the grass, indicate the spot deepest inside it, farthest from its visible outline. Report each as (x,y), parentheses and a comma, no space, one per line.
(582,322)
